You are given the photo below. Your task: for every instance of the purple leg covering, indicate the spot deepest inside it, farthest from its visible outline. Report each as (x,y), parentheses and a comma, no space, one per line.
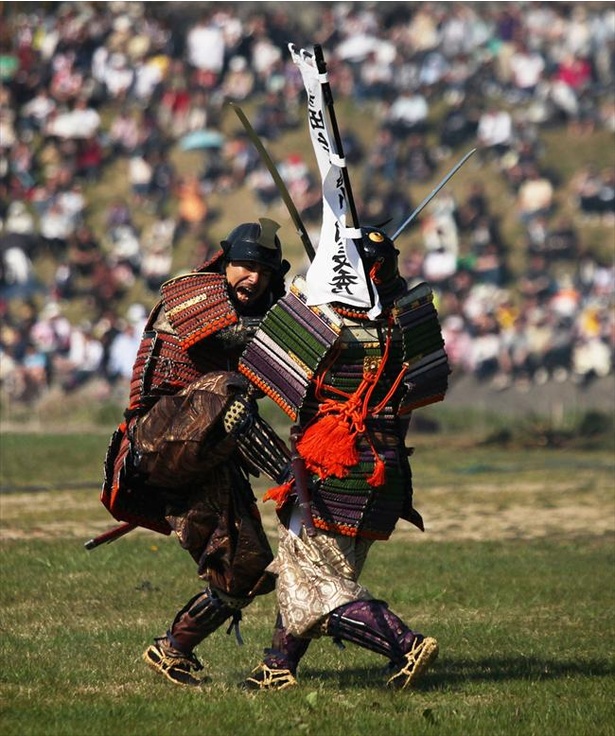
(199,618)
(286,650)
(371,625)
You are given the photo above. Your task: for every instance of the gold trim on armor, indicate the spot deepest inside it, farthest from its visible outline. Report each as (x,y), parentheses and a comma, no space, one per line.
(371,364)
(304,366)
(187,304)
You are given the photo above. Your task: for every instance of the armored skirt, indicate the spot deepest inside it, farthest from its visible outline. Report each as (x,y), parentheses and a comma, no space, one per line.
(365,491)
(209,501)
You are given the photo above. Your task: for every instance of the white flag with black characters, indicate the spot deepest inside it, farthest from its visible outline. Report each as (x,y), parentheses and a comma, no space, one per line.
(336,274)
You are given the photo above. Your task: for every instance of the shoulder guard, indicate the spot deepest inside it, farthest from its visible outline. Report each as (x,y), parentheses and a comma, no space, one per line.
(289,346)
(427,378)
(197,305)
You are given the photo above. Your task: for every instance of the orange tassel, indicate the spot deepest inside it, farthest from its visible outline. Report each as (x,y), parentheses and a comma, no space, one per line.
(328,447)
(279,494)
(378,477)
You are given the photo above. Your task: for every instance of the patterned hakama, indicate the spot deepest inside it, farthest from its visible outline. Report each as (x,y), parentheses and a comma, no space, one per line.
(315,576)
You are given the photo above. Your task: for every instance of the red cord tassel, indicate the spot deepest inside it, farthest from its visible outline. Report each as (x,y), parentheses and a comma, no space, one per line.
(328,447)
(279,494)
(378,477)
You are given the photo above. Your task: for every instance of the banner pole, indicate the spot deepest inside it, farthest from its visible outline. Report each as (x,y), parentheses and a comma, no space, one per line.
(321,66)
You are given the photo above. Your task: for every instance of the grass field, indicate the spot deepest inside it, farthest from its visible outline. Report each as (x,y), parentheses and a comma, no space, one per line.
(514,577)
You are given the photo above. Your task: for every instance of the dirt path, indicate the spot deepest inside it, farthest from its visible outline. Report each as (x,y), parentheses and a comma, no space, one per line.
(525,512)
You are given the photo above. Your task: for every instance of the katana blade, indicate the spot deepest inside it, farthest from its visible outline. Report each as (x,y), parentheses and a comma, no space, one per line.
(432,194)
(279,182)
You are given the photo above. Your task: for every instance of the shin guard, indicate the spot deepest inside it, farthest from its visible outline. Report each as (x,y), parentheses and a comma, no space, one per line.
(199,618)
(371,625)
(286,650)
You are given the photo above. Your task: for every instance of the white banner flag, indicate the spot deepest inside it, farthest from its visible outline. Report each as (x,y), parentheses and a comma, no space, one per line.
(336,274)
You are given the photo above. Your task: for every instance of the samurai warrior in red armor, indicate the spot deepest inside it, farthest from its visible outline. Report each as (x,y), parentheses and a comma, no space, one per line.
(192,436)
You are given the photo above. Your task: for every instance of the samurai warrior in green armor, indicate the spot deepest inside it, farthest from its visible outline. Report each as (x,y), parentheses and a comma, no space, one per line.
(351,389)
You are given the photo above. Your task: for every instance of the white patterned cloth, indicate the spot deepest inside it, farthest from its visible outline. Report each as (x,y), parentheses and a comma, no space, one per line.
(336,273)
(315,575)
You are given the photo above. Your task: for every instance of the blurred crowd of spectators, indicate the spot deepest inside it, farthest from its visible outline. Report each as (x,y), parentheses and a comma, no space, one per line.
(87,84)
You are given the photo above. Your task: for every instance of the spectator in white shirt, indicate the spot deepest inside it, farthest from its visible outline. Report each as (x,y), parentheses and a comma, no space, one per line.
(527,68)
(84,360)
(118,76)
(123,352)
(408,113)
(205,46)
(495,130)
(37,110)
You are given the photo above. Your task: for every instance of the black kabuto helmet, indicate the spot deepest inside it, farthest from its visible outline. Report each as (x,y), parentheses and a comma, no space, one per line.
(256,242)
(380,261)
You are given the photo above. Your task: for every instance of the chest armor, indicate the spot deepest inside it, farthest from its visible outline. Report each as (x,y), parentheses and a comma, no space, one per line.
(304,357)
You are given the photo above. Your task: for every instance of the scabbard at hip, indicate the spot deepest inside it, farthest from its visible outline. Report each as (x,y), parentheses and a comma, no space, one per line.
(301,483)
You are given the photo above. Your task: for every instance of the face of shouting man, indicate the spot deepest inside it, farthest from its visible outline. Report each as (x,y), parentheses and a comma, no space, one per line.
(247,281)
